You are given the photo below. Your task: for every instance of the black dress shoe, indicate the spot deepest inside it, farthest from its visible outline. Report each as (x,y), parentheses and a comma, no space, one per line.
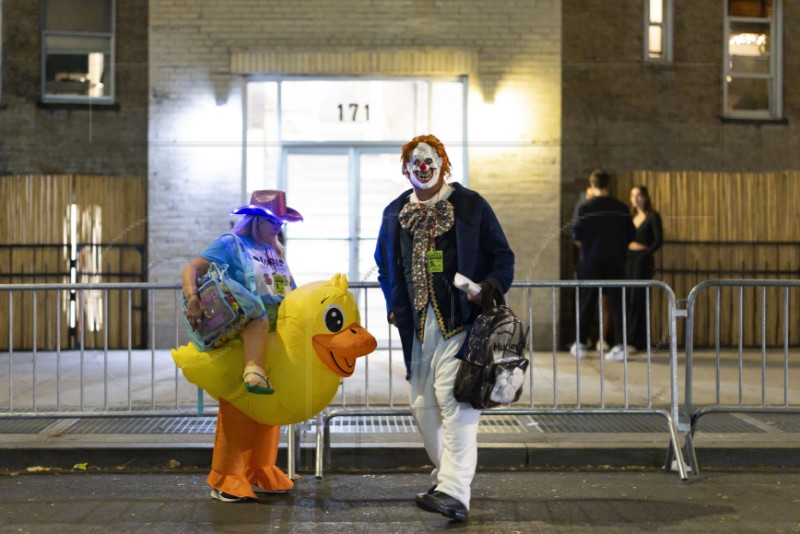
(444,504)
(430,490)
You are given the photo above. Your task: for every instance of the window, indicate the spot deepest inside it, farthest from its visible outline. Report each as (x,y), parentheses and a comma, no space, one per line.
(658,31)
(78,51)
(752,68)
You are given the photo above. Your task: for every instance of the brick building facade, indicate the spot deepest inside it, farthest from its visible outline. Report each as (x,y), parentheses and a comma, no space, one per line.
(59,138)
(201,53)
(554,89)
(624,114)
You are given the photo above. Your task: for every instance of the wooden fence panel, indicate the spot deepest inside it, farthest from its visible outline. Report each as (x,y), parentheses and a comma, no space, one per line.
(44,217)
(726,225)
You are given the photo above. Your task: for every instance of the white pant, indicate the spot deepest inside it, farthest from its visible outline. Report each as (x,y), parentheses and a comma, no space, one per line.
(449,428)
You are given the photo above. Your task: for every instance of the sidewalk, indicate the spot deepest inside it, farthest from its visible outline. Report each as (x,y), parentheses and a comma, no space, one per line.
(539,441)
(733,441)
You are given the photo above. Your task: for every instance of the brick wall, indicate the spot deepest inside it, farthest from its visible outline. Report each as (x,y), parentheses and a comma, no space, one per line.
(623,114)
(510,50)
(62,139)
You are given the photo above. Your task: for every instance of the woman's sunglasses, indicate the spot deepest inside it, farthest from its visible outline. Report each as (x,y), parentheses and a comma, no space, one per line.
(274,222)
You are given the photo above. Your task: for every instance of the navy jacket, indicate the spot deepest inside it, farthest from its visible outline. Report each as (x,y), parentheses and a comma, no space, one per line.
(482,249)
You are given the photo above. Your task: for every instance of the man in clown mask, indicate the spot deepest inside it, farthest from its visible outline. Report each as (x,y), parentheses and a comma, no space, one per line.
(428,234)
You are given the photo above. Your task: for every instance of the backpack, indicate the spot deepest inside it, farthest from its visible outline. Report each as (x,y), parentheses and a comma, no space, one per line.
(230,305)
(493,371)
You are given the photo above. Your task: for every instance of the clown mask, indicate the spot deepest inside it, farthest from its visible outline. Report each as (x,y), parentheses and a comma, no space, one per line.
(423,167)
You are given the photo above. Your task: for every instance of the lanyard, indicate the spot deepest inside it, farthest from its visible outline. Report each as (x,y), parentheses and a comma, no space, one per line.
(431,229)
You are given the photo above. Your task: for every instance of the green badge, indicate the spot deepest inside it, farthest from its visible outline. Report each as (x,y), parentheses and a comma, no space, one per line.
(435,261)
(279,284)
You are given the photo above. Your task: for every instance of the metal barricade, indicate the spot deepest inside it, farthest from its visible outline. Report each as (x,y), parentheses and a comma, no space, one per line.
(98,379)
(94,378)
(761,379)
(640,384)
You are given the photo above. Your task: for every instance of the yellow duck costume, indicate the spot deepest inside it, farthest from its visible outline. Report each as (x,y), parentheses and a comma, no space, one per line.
(315,344)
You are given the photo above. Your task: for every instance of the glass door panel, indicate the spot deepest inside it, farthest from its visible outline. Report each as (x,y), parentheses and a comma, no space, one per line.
(381,181)
(318,186)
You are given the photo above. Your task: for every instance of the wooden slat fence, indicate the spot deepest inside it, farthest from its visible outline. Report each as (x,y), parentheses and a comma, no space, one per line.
(45,221)
(726,225)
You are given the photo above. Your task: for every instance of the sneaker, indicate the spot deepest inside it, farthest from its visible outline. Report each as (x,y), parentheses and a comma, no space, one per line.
(602,345)
(259,489)
(226,497)
(617,354)
(579,349)
(430,490)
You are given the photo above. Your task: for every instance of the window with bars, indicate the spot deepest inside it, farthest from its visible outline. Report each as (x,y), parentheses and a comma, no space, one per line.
(78,51)
(752,81)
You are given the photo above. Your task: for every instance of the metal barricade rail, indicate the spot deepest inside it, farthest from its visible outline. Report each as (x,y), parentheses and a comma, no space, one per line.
(132,382)
(755,390)
(110,381)
(587,396)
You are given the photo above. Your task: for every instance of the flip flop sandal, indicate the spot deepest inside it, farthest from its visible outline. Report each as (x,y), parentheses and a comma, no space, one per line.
(258,389)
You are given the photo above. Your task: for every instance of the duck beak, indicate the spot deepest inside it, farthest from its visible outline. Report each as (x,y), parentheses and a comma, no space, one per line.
(339,351)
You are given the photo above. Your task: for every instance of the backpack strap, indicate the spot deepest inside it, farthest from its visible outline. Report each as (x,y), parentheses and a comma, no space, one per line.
(246,261)
(492,295)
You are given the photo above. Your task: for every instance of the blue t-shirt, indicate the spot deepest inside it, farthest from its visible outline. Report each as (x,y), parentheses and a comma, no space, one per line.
(273,280)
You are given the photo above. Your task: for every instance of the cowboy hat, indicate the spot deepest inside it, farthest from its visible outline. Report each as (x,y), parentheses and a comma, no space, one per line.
(269,203)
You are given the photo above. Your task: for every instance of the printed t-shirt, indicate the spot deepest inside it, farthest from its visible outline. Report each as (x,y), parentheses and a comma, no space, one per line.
(273,280)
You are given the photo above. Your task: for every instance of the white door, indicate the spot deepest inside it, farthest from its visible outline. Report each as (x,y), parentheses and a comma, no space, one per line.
(334,146)
(341,194)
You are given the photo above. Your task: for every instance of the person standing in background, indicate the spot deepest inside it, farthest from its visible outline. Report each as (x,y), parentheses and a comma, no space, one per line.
(602,341)
(602,229)
(640,264)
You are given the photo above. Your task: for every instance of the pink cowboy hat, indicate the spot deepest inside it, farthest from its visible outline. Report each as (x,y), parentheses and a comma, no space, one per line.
(269,203)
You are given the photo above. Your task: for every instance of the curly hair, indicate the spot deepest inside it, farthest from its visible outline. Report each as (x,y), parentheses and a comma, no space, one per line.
(431,140)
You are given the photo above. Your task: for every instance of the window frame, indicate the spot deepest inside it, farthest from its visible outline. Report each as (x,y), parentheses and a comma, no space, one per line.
(110,98)
(666,32)
(775,75)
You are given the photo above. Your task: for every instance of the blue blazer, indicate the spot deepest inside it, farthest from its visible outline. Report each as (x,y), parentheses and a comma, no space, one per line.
(482,249)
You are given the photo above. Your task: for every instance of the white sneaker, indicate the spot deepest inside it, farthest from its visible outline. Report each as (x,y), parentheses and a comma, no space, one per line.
(579,349)
(617,354)
(604,345)
(226,497)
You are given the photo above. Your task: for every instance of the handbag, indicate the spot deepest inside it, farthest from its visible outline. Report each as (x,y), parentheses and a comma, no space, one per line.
(229,305)
(493,371)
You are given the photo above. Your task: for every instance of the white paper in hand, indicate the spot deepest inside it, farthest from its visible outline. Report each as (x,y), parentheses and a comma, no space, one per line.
(466,285)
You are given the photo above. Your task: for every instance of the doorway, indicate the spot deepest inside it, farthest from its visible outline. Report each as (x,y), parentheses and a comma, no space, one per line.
(334,145)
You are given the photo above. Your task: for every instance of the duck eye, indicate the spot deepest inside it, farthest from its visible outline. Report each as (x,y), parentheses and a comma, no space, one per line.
(334,318)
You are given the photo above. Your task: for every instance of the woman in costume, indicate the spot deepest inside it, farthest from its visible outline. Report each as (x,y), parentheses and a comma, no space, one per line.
(245,450)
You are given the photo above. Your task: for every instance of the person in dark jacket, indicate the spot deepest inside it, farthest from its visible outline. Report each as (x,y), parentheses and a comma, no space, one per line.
(602,229)
(428,234)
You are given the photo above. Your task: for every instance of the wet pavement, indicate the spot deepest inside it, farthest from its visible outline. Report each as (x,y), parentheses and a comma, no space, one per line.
(503,502)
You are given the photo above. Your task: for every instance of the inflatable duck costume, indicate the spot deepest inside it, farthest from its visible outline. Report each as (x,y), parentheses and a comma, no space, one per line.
(316,343)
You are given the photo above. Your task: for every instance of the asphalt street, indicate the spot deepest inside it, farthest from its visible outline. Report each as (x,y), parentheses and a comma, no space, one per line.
(509,502)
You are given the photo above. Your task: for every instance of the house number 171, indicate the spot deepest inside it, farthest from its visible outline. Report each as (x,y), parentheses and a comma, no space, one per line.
(350,112)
